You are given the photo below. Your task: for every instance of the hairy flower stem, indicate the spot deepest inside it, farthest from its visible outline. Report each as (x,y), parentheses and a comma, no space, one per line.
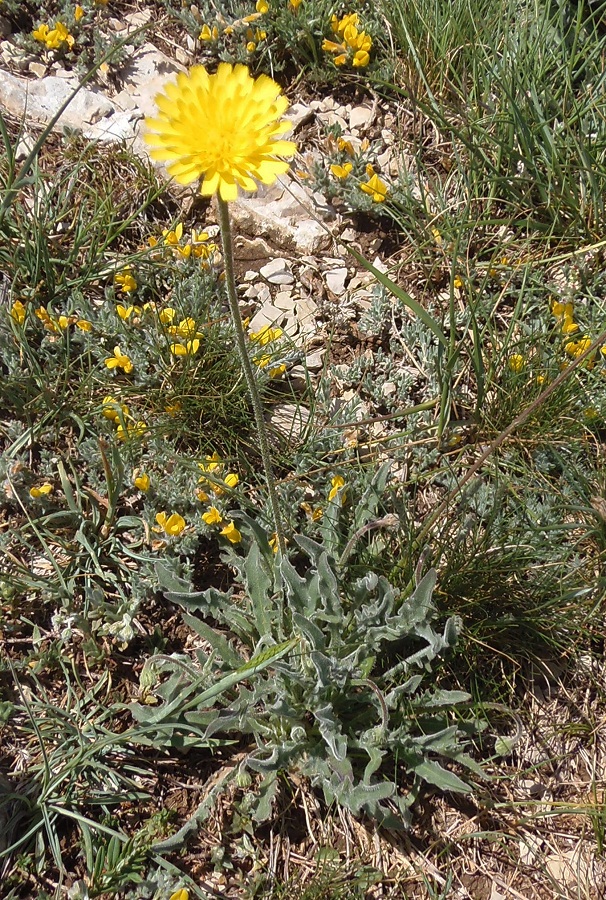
(230,284)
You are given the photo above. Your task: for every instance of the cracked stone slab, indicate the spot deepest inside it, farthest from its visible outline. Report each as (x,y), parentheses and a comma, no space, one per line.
(280,213)
(40,100)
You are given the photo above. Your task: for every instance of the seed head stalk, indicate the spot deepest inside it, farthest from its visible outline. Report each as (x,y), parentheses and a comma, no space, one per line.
(230,284)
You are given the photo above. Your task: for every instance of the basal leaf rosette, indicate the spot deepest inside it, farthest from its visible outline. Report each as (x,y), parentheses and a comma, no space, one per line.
(223,129)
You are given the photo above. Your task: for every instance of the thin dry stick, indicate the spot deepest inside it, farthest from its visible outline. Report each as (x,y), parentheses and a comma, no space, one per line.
(498,441)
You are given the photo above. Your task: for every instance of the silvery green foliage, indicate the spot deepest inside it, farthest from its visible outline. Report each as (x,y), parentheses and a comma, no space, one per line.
(338,691)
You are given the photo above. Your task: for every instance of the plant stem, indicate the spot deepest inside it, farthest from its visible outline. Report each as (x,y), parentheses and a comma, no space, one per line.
(230,284)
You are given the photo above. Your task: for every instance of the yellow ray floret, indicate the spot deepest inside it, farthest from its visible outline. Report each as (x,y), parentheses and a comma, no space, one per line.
(223,129)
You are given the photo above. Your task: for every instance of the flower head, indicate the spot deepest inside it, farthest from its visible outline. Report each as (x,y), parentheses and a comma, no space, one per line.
(375,188)
(338,483)
(189,348)
(212,516)
(341,171)
(112,407)
(125,281)
(231,533)
(119,361)
(208,33)
(132,430)
(54,37)
(265,335)
(18,312)
(516,363)
(221,128)
(142,481)
(42,491)
(173,525)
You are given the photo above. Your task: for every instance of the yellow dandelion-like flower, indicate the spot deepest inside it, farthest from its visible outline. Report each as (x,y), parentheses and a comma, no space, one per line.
(78,12)
(223,129)
(84,325)
(181,894)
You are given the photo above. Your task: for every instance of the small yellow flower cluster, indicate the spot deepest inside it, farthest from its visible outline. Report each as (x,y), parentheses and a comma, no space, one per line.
(141,480)
(118,413)
(229,530)
(314,514)
(172,525)
(213,465)
(355,44)
(127,312)
(374,187)
(577,348)
(53,38)
(337,488)
(267,334)
(495,272)
(43,490)
(119,361)
(55,326)
(564,313)
(516,363)
(18,312)
(264,361)
(341,172)
(196,247)
(186,331)
(132,430)
(126,281)
(252,38)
